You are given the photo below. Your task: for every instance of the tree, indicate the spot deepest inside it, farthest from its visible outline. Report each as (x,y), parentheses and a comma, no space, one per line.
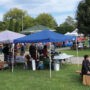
(3,25)
(68,26)
(15,17)
(70,21)
(28,22)
(83,17)
(46,20)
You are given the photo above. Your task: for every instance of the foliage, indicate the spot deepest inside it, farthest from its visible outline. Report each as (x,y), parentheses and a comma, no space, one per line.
(46,20)
(3,25)
(68,26)
(83,16)
(28,21)
(70,21)
(15,17)
(81,53)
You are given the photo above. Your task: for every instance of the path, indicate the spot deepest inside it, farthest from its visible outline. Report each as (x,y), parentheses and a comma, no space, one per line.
(75,60)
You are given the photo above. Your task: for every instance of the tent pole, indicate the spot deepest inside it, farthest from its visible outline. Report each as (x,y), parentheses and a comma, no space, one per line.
(13,57)
(50,61)
(77,50)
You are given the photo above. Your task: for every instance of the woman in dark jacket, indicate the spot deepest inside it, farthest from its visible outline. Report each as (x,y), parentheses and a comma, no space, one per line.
(86,66)
(33,51)
(45,51)
(6,52)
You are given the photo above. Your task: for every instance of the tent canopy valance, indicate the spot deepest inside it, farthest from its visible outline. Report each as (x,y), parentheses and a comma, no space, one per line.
(44,36)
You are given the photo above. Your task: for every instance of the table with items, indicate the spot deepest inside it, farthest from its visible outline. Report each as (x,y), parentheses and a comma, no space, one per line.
(58,59)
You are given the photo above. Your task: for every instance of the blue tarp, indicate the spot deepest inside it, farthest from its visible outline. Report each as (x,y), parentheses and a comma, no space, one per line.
(44,36)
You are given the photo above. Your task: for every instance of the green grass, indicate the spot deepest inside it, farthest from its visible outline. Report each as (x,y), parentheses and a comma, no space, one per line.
(65,79)
(73,52)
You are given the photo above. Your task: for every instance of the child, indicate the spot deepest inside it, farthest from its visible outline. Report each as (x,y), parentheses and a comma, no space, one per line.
(40,65)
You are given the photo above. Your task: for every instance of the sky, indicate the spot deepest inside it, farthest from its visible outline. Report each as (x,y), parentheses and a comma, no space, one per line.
(59,9)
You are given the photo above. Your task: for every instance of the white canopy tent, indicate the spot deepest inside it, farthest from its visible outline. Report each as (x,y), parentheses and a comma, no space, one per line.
(74,33)
(8,36)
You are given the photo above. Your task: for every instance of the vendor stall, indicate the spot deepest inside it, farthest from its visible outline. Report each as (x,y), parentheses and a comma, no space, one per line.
(44,36)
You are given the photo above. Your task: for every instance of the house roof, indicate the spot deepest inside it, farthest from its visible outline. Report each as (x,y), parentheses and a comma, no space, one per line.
(36,28)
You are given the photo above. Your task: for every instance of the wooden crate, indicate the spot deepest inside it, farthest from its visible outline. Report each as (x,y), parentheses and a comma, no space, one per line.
(86,80)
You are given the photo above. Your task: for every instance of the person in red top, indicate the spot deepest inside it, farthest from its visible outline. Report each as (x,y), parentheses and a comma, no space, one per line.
(45,51)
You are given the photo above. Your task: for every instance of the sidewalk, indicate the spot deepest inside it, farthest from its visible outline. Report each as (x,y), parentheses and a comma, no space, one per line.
(75,60)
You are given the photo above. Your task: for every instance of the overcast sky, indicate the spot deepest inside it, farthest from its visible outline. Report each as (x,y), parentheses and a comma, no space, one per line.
(59,9)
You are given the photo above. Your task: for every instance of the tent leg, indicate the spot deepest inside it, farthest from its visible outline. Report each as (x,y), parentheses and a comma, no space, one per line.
(77,51)
(50,62)
(13,58)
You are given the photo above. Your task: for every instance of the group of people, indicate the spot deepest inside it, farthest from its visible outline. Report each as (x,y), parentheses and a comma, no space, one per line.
(35,52)
(7,50)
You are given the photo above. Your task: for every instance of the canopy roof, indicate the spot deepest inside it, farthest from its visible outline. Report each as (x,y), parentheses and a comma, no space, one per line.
(44,36)
(35,29)
(74,33)
(8,36)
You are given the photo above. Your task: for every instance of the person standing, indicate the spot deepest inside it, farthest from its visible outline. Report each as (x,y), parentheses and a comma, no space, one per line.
(33,53)
(6,52)
(45,51)
(40,48)
(45,56)
(85,66)
(22,49)
(1,47)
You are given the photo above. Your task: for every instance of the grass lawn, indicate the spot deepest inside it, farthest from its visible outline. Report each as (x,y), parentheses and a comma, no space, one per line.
(73,52)
(65,79)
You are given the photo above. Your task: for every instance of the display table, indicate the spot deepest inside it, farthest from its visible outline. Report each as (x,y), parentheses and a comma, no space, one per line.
(62,56)
(20,59)
(58,58)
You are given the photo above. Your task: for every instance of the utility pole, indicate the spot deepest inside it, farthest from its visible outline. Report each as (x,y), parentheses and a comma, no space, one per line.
(22,22)
(89,40)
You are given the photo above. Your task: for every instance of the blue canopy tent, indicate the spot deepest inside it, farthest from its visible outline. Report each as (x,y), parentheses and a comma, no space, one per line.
(44,36)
